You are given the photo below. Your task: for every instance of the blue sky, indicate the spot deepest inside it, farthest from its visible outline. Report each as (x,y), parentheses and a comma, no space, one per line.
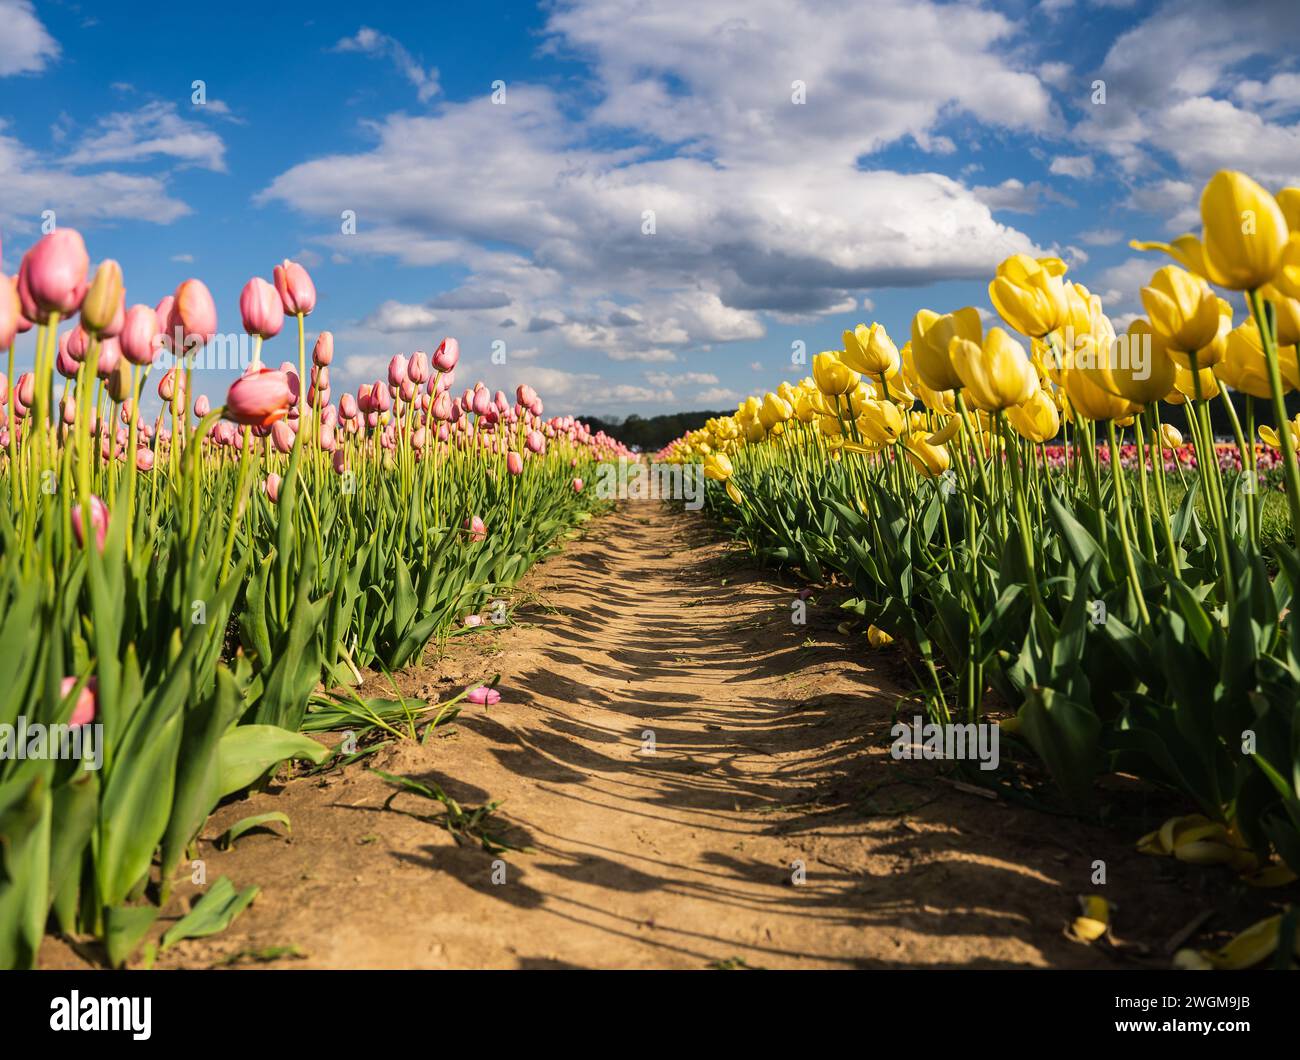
(933,139)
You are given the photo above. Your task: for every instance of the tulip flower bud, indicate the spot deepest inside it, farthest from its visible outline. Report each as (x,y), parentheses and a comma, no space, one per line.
(11,311)
(87,702)
(272,487)
(297,292)
(140,335)
(98,522)
(144,459)
(323,352)
(193,317)
(119,381)
(476,527)
(110,355)
(1245,232)
(447,355)
(103,299)
(261,308)
(54,272)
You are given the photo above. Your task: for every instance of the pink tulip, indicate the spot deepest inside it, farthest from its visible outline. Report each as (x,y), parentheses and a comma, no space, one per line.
(473,620)
(75,343)
(447,355)
(54,272)
(577,485)
(140,335)
(536,442)
(25,390)
(167,385)
(297,292)
(515,463)
(110,353)
(348,409)
(282,437)
(202,406)
(259,398)
(83,713)
(261,308)
(396,370)
(484,696)
(272,487)
(144,459)
(323,352)
(526,394)
(417,369)
(193,317)
(339,461)
(477,528)
(11,311)
(98,521)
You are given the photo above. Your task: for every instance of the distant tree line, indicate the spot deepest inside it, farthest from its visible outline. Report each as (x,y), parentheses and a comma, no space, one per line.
(650,433)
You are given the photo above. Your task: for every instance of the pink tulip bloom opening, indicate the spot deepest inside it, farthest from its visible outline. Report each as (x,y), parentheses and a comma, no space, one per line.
(260,398)
(484,696)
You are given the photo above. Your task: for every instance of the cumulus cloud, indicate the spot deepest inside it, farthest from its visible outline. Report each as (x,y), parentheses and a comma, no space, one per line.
(763,204)
(28,46)
(32,186)
(156,130)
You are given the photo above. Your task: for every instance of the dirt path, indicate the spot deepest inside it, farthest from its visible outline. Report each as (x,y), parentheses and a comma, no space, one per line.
(770,752)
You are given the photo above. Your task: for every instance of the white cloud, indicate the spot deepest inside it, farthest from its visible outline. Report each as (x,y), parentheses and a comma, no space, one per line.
(668,379)
(28,46)
(156,130)
(379,45)
(1077,166)
(32,186)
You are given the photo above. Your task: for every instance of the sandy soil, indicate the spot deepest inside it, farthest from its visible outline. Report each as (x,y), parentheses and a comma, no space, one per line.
(769,828)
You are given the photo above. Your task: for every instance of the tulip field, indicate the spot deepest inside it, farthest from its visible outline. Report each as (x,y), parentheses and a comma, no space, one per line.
(181,581)
(1031,514)
(1036,512)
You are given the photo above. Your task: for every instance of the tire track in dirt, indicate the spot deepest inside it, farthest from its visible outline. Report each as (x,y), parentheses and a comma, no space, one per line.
(769,749)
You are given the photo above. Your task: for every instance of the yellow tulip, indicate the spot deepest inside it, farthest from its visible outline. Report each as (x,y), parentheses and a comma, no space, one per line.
(774,410)
(929,459)
(1029,294)
(1186,250)
(1185,383)
(870,350)
(877,637)
(1244,231)
(754,431)
(932,334)
(804,408)
(1243,366)
(1141,369)
(1170,436)
(1037,419)
(830,426)
(1287,279)
(833,376)
(996,375)
(881,422)
(1182,308)
(1090,401)
(718,467)
(1270,437)
(1286,310)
